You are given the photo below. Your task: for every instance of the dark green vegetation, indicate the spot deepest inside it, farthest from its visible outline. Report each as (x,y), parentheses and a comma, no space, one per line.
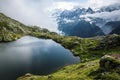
(90,50)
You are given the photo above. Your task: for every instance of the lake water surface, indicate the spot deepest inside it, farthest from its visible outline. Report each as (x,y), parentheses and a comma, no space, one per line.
(32,55)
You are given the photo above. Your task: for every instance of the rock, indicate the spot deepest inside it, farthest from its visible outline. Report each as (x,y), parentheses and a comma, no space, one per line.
(109,42)
(50,76)
(106,56)
(116,56)
(108,62)
(28,75)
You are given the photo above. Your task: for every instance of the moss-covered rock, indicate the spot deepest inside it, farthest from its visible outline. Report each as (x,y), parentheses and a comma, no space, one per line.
(109,69)
(109,42)
(108,62)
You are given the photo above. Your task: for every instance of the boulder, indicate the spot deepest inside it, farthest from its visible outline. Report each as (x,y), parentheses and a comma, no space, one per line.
(109,62)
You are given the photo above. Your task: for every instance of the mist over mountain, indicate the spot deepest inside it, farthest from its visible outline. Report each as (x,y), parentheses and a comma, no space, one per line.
(88,22)
(109,27)
(110,8)
(84,18)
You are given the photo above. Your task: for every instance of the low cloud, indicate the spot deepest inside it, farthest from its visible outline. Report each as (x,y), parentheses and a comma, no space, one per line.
(97,4)
(29,12)
(108,16)
(35,12)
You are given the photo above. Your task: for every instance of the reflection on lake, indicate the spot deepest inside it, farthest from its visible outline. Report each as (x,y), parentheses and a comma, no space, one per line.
(32,55)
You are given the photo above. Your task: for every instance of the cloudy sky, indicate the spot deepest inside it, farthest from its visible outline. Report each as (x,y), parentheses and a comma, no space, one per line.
(37,12)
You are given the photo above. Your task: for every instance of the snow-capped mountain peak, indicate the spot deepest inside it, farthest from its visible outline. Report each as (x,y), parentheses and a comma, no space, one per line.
(83,19)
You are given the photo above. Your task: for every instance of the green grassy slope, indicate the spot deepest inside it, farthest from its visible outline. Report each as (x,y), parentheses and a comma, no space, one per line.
(78,71)
(81,71)
(90,50)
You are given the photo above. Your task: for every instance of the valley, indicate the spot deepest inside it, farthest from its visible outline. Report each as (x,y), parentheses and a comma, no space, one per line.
(90,51)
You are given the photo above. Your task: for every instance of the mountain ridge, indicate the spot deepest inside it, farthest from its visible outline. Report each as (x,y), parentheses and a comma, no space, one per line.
(68,18)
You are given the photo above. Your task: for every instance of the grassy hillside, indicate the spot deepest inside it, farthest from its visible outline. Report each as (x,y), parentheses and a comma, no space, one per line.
(78,71)
(11,29)
(90,50)
(82,71)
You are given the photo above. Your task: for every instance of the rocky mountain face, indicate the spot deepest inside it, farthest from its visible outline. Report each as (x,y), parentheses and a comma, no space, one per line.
(80,28)
(86,22)
(110,27)
(116,30)
(70,23)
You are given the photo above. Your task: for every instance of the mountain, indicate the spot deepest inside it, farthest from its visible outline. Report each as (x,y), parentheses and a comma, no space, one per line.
(116,30)
(81,29)
(110,27)
(75,13)
(70,23)
(86,22)
(114,26)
